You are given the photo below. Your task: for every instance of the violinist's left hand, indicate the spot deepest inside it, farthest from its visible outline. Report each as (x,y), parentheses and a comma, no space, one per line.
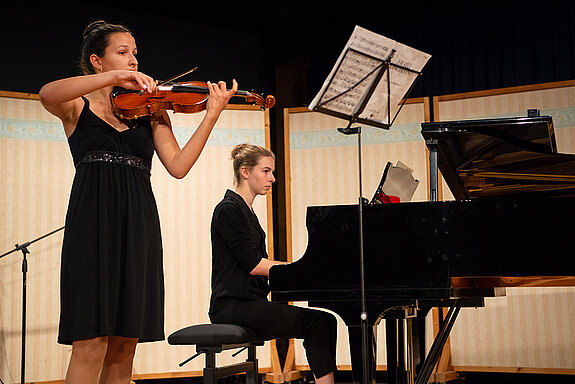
(219,96)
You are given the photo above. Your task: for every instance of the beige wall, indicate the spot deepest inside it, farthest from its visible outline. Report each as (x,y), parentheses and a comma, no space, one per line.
(36,172)
(530,327)
(324,170)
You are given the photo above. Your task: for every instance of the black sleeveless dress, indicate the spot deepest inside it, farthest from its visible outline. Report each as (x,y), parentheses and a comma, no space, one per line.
(112,280)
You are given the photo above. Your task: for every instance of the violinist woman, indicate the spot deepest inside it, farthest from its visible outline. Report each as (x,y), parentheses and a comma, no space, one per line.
(112,287)
(240,267)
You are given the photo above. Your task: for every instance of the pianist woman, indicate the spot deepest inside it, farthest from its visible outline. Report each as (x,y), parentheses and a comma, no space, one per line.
(240,268)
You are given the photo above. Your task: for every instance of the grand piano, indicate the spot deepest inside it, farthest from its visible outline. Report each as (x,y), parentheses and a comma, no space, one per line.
(511,224)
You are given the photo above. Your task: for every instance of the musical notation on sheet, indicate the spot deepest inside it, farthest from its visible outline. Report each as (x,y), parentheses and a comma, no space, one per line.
(356,70)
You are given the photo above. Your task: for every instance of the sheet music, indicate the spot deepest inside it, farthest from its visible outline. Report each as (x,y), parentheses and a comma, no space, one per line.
(400,182)
(353,73)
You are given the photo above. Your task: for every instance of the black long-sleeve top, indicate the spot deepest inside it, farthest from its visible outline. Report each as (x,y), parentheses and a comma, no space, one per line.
(238,245)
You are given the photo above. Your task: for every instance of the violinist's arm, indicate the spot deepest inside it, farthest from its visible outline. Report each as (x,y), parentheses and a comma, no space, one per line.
(263,267)
(62,97)
(178,162)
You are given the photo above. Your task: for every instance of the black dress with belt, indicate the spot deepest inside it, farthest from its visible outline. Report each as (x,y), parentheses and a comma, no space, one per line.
(112,280)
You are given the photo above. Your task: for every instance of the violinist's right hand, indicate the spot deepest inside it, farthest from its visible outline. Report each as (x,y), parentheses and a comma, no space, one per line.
(134,80)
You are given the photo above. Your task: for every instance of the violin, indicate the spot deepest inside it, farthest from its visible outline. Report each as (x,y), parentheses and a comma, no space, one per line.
(186,97)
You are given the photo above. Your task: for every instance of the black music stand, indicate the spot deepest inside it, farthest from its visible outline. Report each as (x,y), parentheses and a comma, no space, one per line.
(25,251)
(357,96)
(347,95)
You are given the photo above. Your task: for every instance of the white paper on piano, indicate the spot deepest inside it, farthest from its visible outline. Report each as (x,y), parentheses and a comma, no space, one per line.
(397,181)
(352,68)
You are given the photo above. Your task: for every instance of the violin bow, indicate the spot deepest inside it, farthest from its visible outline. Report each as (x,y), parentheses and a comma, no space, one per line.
(171,79)
(177,76)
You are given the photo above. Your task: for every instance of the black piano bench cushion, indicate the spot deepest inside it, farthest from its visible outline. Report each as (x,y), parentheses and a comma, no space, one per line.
(214,335)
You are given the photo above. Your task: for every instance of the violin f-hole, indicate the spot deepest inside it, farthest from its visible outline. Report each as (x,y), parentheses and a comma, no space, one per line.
(156,97)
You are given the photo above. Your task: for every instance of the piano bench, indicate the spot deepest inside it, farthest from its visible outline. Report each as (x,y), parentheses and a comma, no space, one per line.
(212,339)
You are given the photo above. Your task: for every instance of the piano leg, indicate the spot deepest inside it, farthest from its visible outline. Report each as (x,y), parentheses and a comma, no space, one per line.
(411,346)
(415,344)
(391,349)
(400,366)
(400,370)
(355,346)
(395,350)
(416,340)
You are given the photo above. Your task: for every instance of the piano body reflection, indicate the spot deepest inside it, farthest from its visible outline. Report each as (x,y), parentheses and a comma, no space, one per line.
(510,225)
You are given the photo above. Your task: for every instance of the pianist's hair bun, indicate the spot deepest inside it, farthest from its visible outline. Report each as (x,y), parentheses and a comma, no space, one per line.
(247,155)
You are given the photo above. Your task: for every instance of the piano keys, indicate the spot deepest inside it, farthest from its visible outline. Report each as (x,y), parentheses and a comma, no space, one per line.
(511,222)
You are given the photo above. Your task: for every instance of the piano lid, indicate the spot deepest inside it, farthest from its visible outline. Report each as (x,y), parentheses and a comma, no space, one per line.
(493,157)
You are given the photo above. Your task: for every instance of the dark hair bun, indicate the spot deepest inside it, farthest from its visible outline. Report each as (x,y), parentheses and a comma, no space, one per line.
(95,40)
(93,26)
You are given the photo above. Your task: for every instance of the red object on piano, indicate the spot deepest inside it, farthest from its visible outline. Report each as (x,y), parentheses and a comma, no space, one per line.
(387,198)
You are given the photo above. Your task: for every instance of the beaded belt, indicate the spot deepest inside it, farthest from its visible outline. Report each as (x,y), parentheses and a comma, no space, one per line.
(116,158)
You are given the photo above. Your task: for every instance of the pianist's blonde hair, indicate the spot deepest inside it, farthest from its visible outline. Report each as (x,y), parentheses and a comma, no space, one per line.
(248,155)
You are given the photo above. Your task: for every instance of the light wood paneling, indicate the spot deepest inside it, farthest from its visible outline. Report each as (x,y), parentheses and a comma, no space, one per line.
(36,173)
(323,169)
(531,328)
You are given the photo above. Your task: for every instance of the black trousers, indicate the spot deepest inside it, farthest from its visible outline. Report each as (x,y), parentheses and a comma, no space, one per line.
(318,329)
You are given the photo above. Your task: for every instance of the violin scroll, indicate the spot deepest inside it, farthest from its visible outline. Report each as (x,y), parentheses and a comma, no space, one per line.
(265,102)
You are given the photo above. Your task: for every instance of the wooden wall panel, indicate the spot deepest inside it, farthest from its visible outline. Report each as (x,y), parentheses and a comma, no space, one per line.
(36,173)
(323,170)
(531,328)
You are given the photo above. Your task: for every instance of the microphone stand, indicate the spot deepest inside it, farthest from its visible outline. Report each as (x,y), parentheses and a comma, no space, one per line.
(24,249)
